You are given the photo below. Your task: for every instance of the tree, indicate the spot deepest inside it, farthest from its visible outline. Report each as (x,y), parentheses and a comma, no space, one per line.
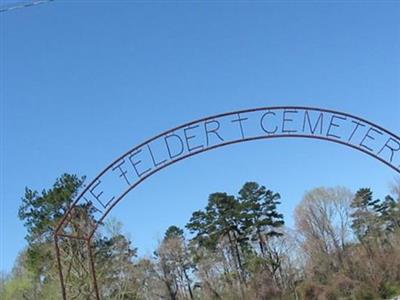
(114,256)
(228,226)
(260,218)
(261,221)
(364,218)
(175,264)
(174,232)
(323,219)
(376,224)
(18,284)
(41,212)
(344,246)
(220,223)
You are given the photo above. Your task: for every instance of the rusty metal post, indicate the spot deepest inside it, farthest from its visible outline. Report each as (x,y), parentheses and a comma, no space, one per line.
(93,269)
(64,295)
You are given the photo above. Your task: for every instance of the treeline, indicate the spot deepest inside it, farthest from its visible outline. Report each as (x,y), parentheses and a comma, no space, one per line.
(343,246)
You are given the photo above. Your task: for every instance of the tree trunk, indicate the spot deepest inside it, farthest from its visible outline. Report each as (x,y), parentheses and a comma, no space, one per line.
(188,284)
(261,242)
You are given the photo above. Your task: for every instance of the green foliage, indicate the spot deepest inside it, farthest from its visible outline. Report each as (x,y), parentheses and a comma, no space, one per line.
(387,290)
(374,218)
(173,232)
(114,265)
(389,214)
(15,288)
(228,228)
(239,250)
(364,218)
(41,212)
(364,292)
(251,216)
(260,218)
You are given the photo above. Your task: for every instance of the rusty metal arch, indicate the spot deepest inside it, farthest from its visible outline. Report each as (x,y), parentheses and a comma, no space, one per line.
(391,146)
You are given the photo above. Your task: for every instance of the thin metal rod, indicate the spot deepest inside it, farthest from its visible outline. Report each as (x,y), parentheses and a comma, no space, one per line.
(63,292)
(93,270)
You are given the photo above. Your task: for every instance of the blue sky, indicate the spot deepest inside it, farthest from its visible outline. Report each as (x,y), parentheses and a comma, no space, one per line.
(82,82)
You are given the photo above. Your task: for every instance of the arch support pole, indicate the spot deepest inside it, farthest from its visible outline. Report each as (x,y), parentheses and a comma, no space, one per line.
(60,271)
(92,269)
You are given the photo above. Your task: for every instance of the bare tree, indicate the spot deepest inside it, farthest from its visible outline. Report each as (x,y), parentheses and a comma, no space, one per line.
(323,219)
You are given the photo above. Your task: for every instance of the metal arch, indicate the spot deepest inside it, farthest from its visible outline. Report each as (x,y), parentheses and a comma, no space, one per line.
(87,238)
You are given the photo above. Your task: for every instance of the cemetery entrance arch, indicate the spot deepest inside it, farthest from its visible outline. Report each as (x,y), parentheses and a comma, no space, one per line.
(107,189)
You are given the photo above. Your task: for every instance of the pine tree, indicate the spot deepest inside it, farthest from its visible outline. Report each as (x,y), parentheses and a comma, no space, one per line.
(261,219)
